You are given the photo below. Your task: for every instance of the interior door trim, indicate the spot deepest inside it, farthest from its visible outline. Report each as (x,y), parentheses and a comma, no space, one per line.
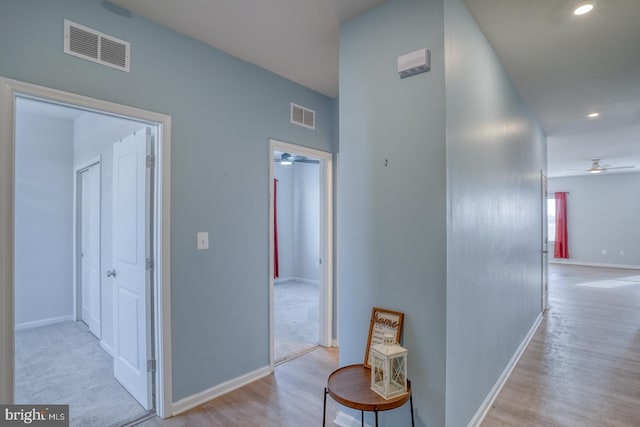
(9,90)
(326,240)
(77,211)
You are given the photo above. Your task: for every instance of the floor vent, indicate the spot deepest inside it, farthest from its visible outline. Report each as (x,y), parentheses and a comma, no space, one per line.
(303,116)
(92,45)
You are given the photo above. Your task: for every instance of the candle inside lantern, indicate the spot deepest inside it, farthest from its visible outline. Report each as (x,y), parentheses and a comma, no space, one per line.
(388,339)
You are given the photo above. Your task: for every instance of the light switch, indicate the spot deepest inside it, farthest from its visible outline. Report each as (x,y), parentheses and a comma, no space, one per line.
(203,240)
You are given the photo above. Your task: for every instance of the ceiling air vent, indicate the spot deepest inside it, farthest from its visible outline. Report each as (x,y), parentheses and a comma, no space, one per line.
(87,43)
(303,116)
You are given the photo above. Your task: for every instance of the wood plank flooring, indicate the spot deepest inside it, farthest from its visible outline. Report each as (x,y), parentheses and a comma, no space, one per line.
(582,367)
(291,397)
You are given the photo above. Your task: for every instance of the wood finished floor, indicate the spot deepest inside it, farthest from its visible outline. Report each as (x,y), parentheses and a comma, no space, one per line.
(582,367)
(291,397)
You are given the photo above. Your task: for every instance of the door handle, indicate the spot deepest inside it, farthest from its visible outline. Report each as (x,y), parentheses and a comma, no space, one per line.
(544,252)
(111,273)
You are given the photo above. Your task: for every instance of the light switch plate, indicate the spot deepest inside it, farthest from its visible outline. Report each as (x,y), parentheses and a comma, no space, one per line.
(203,240)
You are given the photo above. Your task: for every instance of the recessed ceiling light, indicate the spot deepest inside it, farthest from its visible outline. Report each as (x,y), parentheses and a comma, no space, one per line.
(583,9)
(593,115)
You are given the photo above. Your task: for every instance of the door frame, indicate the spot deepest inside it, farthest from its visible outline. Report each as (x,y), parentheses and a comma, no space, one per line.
(326,241)
(77,235)
(544,266)
(9,91)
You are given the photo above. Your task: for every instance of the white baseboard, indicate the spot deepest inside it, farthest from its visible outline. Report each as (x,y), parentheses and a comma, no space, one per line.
(308,281)
(217,391)
(43,322)
(345,420)
(594,264)
(296,279)
(334,343)
(106,348)
(491,397)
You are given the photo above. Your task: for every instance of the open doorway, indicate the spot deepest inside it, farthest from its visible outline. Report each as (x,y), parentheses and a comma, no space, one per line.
(56,294)
(300,271)
(62,246)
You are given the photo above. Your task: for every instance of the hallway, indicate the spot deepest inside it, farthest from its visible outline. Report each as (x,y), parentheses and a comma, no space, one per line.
(582,367)
(291,397)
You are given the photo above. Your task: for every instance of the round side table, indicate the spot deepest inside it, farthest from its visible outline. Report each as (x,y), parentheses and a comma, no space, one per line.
(351,386)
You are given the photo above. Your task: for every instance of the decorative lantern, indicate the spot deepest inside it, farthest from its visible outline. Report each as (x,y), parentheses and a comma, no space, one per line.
(388,368)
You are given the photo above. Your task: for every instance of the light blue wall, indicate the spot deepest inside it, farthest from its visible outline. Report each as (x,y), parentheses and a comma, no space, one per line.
(602,213)
(450,230)
(223,112)
(43,218)
(392,224)
(495,150)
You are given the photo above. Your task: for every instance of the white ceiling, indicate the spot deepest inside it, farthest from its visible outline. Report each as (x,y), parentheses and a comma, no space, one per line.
(43,108)
(564,66)
(567,66)
(297,39)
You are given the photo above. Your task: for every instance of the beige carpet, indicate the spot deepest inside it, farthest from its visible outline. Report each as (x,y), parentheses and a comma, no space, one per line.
(64,364)
(296,318)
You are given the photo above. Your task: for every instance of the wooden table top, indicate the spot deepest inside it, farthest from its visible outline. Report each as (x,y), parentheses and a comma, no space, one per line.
(351,387)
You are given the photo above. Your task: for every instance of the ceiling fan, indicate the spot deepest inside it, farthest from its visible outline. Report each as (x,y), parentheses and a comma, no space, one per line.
(596,167)
(290,159)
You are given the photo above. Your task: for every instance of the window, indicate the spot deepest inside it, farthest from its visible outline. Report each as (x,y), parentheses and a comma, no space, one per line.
(551,219)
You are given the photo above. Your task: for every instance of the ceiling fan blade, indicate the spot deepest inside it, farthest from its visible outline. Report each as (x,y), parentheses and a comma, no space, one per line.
(294,159)
(620,167)
(297,158)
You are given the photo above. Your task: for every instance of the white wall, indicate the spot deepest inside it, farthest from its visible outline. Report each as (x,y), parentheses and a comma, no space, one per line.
(307,221)
(94,135)
(284,175)
(43,219)
(602,213)
(298,208)
(48,150)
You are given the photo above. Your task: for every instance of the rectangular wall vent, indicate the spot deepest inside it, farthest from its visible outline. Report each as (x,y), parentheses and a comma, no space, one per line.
(303,116)
(92,45)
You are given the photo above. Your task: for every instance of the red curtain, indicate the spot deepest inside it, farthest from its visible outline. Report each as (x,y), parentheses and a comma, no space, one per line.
(561,247)
(276,272)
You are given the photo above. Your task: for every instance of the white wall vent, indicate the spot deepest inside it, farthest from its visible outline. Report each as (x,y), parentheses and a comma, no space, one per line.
(303,116)
(87,43)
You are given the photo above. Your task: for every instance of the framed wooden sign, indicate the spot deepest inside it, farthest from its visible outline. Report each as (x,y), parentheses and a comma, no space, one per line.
(382,322)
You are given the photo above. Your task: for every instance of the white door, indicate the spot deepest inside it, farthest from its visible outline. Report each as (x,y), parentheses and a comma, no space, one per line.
(90,247)
(132,281)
